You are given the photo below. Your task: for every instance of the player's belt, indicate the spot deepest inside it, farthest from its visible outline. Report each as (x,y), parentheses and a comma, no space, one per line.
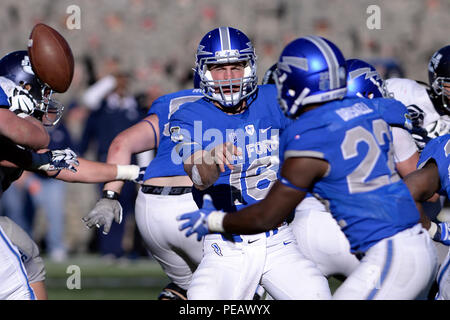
(166,191)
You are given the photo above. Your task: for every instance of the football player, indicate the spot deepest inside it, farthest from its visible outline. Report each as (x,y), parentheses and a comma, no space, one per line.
(321,238)
(431,177)
(22,101)
(228,142)
(429,105)
(340,150)
(19,128)
(165,193)
(29,255)
(27,98)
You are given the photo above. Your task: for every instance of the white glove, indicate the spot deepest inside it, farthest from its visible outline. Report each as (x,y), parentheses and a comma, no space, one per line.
(21,102)
(103,214)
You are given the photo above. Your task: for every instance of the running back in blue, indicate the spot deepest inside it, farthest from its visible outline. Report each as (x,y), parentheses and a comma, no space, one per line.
(439,150)
(164,107)
(202,126)
(362,189)
(392,111)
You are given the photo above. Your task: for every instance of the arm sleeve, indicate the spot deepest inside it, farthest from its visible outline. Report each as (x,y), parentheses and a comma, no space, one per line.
(11,152)
(28,249)
(404,145)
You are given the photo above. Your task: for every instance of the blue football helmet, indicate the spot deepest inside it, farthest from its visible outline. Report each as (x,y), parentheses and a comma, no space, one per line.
(16,66)
(268,77)
(226,45)
(196,80)
(439,74)
(364,81)
(310,70)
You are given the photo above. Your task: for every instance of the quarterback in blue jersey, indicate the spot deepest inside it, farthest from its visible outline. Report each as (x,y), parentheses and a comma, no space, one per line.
(228,143)
(340,150)
(433,177)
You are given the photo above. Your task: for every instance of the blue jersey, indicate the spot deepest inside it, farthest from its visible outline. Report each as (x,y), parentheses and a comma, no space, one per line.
(439,150)
(164,107)
(255,132)
(392,111)
(3,99)
(364,193)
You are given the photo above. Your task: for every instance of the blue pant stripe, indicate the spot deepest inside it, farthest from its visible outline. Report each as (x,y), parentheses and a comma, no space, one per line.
(385,271)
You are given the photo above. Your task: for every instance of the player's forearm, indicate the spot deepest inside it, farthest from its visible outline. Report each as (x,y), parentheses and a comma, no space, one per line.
(39,290)
(407,166)
(13,156)
(423,183)
(133,140)
(250,220)
(266,214)
(202,171)
(90,172)
(27,132)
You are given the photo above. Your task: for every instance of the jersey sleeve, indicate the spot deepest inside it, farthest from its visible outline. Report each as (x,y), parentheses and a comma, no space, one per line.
(309,143)
(393,112)
(159,107)
(404,145)
(183,134)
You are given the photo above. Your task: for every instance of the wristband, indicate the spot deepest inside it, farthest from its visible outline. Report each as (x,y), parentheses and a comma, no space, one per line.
(433,230)
(196,178)
(215,221)
(108,194)
(127,172)
(41,161)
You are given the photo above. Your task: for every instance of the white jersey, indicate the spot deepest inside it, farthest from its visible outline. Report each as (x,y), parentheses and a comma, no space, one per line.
(410,92)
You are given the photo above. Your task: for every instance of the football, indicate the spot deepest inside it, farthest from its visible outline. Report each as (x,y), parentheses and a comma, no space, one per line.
(51,57)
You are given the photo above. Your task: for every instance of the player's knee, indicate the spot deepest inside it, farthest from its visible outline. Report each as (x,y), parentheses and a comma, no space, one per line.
(172,292)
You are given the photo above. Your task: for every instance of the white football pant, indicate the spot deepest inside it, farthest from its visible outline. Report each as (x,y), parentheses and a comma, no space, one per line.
(156,220)
(443,280)
(13,277)
(233,270)
(401,267)
(322,240)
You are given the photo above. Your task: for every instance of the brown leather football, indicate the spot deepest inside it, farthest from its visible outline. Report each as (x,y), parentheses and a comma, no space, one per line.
(51,57)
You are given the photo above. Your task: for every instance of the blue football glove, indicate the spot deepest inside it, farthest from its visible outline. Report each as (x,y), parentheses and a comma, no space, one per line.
(443,233)
(198,220)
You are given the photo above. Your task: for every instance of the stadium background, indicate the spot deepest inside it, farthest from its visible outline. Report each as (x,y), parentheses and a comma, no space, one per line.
(155,41)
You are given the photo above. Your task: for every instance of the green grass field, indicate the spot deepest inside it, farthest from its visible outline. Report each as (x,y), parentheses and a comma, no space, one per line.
(100,279)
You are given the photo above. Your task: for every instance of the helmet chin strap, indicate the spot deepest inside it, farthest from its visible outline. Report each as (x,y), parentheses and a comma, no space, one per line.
(229,100)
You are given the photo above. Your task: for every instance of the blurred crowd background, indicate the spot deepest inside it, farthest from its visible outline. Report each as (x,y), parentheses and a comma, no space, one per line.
(129,52)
